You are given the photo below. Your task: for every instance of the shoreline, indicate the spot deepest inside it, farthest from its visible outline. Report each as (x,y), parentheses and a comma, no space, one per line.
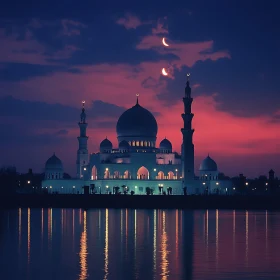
(195,202)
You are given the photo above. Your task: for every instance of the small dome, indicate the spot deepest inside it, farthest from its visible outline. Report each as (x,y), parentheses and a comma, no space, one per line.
(208,164)
(165,144)
(106,144)
(137,122)
(53,163)
(124,145)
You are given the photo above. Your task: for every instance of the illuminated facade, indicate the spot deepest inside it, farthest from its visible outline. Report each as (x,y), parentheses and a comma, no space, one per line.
(137,165)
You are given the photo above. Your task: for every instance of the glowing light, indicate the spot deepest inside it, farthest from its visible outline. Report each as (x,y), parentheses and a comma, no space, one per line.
(207,230)
(107,187)
(50,228)
(203,183)
(247,237)
(85,168)
(164,42)
(73,187)
(163,72)
(247,183)
(28,182)
(83,251)
(135,187)
(106,247)
(42,223)
(155,169)
(106,169)
(28,235)
(217,183)
(19,226)
(155,243)
(164,251)
(217,236)
(135,239)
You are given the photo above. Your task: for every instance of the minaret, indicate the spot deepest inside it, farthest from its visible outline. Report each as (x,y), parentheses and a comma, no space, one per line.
(187,131)
(82,153)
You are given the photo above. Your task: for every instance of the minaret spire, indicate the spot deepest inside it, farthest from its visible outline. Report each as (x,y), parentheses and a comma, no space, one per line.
(83,114)
(137,95)
(82,153)
(187,132)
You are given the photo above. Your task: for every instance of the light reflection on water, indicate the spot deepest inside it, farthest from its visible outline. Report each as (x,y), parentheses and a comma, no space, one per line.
(75,244)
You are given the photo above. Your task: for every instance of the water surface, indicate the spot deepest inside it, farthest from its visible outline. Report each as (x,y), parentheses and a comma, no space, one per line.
(73,244)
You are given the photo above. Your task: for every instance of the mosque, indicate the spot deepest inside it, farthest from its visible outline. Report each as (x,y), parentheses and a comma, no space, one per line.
(137,165)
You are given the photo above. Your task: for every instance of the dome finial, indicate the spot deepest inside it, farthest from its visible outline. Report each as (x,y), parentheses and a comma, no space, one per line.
(137,95)
(83,114)
(187,88)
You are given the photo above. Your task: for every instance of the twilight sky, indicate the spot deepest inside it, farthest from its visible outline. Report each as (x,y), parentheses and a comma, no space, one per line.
(53,55)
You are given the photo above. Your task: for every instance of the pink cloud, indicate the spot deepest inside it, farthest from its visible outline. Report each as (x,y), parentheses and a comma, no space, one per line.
(29,50)
(95,82)
(24,51)
(159,29)
(131,22)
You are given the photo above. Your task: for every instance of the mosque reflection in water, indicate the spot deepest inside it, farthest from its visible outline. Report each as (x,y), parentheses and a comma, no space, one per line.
(136,244)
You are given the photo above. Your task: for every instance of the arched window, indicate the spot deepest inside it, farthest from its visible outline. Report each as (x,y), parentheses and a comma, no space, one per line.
(141,143)
(143,173)
(127,175)
(94,173)
(137,143)
(145,143)
(116,175)
(133,143)
(160,175)
(171,175)
(107,174)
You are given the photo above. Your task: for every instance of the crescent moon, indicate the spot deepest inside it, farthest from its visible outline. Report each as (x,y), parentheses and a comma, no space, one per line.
(163,71)
(164,43)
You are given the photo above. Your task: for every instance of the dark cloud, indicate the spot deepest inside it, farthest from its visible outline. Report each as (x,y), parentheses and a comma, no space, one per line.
(41,111)
(103,109)
(12,72)
(28,135)
(238,92)
(62,132)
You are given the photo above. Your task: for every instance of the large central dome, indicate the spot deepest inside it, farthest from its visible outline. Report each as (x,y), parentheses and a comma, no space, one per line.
(137,122)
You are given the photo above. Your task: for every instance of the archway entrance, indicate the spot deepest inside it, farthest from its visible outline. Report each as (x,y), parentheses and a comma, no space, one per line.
(127,175)
(106,174)
(143,173)
(160,175)
(94,173)
(171,175)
